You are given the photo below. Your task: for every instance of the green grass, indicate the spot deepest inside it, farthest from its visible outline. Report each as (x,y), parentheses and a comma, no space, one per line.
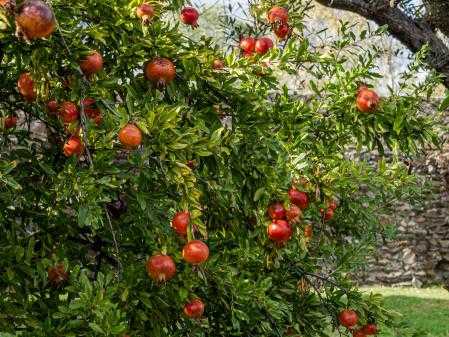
(424,310)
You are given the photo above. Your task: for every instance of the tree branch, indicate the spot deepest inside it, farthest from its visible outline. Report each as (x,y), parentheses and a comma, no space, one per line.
(414,34)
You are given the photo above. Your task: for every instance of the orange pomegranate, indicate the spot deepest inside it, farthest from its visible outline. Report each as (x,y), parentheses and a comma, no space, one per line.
(195,252)
(367,99)
(68,111)
(160,71)
(25,84)
(73,146)
(130,136)
(161,268)
(145,12)
(277,14)
(92,64)
(35,20)
(194,308)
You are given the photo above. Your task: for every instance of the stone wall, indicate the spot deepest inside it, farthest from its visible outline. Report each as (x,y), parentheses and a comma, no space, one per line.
(419,255)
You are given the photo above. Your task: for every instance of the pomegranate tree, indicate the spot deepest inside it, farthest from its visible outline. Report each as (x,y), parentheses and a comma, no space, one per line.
(148,170)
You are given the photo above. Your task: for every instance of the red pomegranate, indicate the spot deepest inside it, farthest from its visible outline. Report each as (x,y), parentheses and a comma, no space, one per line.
(73,146)
(52,107)
(298,198)
(161,268)
(194,308)
(276,211)
(91,110)
(279,231)
(145,12)
(180,222)
(195,252)
(92,64)
(68,111)
(130,136)
(10,122)
(277,14)
(348,318)
(57,275)
(218,64)
(282,31)
(263,45)
(328,214)
(160,71)
(248,44)
(367,99)
(25,84)
(308,231)
(35,20)
(293,214)
(358,333)
(370,329)
(189,16)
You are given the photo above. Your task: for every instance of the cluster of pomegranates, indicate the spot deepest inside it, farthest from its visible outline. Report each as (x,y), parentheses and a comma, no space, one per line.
(349,319)
(278,19)
(162,268)
(282,220)
(189,15)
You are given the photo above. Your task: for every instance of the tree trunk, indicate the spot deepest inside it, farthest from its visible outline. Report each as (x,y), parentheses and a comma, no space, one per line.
(413,33)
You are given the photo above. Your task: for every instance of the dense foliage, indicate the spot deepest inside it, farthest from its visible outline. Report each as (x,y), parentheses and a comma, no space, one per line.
(221,140)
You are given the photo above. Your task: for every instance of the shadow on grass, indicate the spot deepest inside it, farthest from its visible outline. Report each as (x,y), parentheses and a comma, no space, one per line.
(428,317)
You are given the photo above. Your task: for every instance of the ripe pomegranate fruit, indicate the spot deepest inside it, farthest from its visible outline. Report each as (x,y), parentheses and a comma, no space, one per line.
(277,14)
(25,84)
(282,31)
(57,275)
(276,211)
(293,214)
(189,16)
(68,111)
(160,71)
(367,99)
(348,318)
(263,45)
(92,64)
(218,64)
(130,136)
(248,44)
(161,268)
(279,231)
(73,146)
(298,198)
(35,20)
(10,122)
(180,222)
(370,329)
(328,214)
(194,308)
(91,110)
(195,252)
(52,107)
(145,12)
(358,333)
(117,208)
(308,231)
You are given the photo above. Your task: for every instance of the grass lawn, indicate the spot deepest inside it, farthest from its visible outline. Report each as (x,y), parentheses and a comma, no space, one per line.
(425,310)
